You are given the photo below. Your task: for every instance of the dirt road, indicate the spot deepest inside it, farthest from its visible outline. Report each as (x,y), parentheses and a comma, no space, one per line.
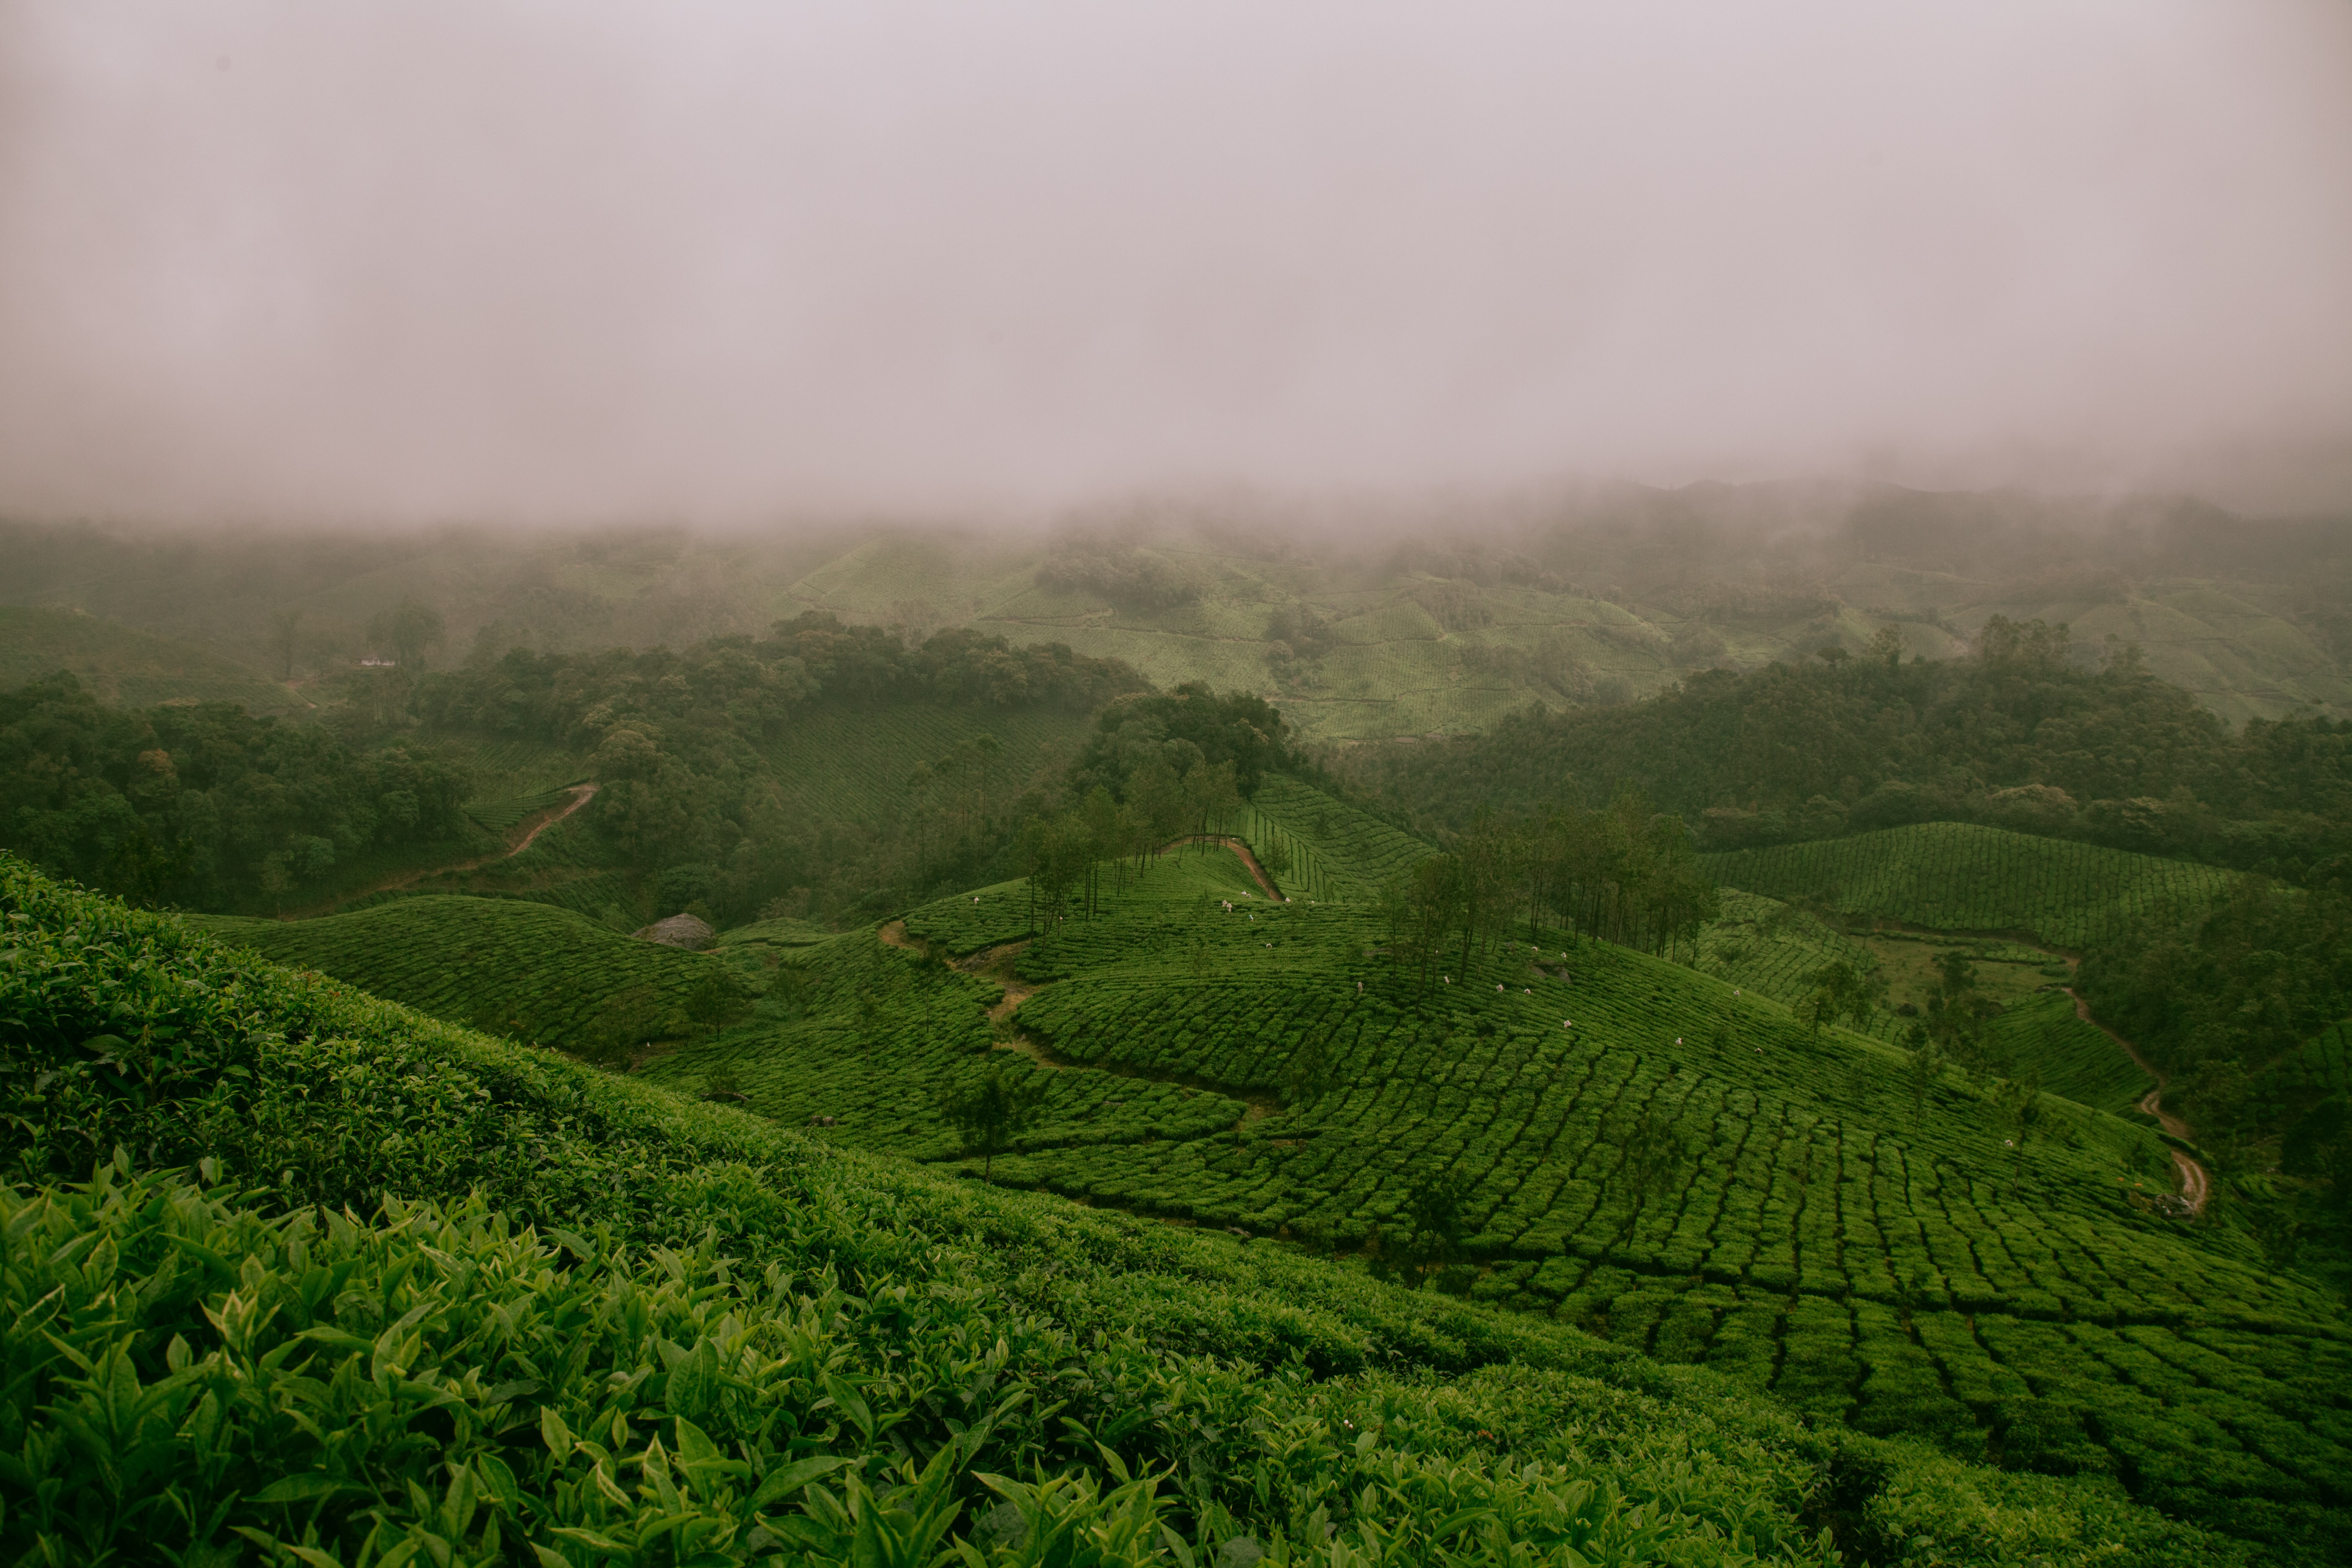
(580,795)
(2196,1185)
(1238,848)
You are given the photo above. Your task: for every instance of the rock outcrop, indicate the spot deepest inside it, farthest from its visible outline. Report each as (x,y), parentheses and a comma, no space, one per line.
(678,931)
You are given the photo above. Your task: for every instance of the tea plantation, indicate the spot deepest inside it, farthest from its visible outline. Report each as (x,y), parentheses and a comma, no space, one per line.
(2070,1057)
(294,1275)
(1339,851)
(1919,1277)
(1564,1144)
(1874,1251)
(1956,876)
(1765,946)
(528,971)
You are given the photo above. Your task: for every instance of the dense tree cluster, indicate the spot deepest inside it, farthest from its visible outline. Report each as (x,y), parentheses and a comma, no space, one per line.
(2020,736)
(1159,766)
(1067,853)
(750,687)
(677,741)
(1625,874)
(2220,995)
(204,805)
(1189,725)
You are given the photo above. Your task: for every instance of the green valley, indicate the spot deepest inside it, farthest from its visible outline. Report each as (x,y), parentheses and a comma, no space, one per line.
(1089,1110)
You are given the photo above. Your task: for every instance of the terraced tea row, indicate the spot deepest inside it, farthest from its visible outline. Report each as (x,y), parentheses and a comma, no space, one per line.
(1953,876)
(1164,910)
(2042,1037)
(872,1041)
(502,816)
(1813,1239)
(1773,949)
(525,970)
(1346,853)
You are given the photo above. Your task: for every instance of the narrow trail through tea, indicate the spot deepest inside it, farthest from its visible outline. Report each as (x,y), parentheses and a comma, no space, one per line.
(582,794)
(1239,849)
(2196,1185)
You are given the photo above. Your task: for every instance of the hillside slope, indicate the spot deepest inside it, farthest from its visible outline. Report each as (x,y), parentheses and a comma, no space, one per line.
(1869,1248)
(1816,1223)
(1957,875)
(125,666)
(519,969)
(548,1315)
(1449,625)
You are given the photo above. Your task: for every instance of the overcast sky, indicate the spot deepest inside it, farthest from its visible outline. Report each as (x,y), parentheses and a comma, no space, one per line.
(569,261)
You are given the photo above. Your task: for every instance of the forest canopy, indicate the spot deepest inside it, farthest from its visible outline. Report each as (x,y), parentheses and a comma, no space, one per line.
(205,804)
(207,807)
(2022,736)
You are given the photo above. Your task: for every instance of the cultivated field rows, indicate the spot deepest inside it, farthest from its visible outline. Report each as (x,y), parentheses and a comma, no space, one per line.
(1956,876)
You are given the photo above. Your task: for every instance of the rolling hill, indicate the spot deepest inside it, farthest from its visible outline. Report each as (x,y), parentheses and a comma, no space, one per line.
(1573,1134)
(1399,621)
(469,1299)
(1618,595)
(1958,876)
(518,969)
(127,667)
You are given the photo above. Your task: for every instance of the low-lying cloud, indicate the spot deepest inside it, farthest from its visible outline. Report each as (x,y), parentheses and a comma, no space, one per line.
(758,261)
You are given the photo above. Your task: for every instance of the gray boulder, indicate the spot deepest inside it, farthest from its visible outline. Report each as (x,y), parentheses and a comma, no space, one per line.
(678,931)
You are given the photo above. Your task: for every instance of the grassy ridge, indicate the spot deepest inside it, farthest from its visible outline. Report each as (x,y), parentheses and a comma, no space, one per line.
(599,1324)
(1956,876)
(529,971)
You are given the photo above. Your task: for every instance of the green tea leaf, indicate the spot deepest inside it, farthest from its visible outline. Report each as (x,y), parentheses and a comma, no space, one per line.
(783,1482)
(304,1489)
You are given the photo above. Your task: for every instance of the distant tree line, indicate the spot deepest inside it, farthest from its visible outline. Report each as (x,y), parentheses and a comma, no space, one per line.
(209,808)
(1159,767)
(2022,735)
(676,739)
(1624,874)
(206,805)
(752,686)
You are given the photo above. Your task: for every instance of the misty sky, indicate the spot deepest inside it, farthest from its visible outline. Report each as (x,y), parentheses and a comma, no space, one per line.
(569,261)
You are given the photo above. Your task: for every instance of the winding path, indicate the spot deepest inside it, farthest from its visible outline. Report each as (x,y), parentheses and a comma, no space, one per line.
(998,963)
(2196,1185)
(582,794)
(1238,848)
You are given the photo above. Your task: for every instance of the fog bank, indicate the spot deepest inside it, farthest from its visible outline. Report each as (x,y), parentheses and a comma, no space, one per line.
(730,263)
